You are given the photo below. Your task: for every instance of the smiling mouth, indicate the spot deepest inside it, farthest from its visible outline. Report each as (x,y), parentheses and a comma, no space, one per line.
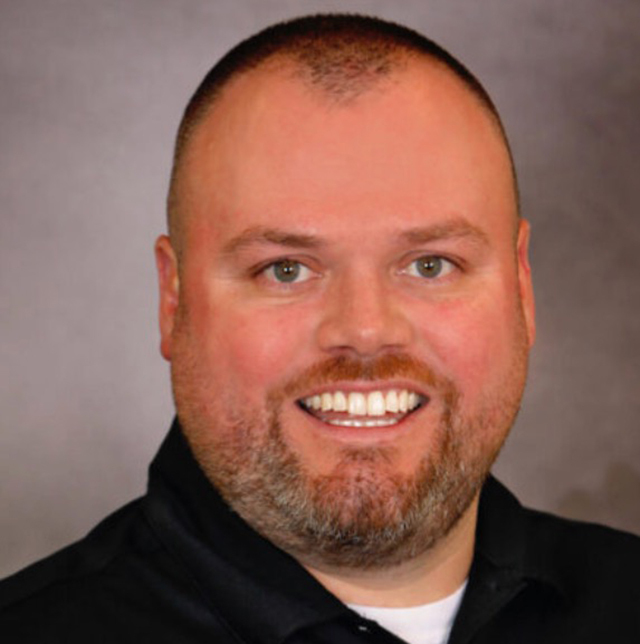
(359,409)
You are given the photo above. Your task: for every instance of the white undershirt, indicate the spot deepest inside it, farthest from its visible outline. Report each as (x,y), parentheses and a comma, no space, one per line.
(426,624)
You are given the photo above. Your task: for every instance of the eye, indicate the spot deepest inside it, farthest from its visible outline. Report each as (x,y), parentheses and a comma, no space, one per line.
(430,267)
(287,271)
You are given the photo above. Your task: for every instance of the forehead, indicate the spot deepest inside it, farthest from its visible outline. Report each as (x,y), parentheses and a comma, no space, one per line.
(411,144)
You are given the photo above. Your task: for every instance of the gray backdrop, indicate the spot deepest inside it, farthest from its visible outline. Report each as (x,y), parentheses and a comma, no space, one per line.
(90,96)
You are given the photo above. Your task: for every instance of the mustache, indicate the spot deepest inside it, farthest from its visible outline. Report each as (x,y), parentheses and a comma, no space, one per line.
(384,367)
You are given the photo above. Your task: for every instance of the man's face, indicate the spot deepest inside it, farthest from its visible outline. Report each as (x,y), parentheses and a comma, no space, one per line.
(350,327)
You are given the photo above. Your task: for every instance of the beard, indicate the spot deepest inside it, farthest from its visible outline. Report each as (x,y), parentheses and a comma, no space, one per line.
(363,514)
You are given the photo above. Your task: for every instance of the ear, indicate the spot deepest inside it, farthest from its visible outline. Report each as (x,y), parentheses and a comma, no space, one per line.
(524,280)
(169,283)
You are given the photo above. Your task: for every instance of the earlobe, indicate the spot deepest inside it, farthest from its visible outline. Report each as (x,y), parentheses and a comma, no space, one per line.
(525,282)
(169,286)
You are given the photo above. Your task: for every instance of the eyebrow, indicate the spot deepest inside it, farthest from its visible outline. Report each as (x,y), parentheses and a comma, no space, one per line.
(258,235)
(458,228)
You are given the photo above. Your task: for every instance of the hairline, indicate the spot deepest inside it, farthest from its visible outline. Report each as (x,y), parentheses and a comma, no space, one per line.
(287,57)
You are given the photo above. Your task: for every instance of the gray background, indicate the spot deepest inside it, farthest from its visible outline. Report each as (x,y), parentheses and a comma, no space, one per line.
(90,96)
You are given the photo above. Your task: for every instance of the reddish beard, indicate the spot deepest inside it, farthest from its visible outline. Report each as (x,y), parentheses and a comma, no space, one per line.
(363,514)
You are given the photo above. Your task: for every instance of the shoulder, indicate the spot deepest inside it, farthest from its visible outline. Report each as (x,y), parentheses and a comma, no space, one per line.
(575,581)
(121,583)
(581,538)
(583,552)
(510,531)
(596,570)
(36,602)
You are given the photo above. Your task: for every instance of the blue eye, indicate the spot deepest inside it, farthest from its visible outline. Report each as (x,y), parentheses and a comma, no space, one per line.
(430,267)
(287,271)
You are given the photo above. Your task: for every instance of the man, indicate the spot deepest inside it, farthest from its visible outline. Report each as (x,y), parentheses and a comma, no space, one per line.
(346,303)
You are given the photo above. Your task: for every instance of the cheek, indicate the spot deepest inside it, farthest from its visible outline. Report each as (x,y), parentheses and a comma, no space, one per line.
(252,349)
(473,342)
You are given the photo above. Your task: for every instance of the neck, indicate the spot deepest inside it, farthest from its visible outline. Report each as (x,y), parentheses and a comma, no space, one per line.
(426,578)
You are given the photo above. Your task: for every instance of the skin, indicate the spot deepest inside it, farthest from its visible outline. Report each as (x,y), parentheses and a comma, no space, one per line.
(276,171)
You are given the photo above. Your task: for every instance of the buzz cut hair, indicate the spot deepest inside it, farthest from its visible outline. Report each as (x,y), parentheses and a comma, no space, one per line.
(340,55)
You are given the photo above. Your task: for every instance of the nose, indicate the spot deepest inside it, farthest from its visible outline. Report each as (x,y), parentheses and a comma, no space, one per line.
(363,316)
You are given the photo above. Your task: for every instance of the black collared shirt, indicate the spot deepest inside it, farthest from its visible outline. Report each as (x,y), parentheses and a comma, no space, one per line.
(179,567)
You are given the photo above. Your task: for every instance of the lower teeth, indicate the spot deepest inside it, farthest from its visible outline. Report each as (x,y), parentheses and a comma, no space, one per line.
(378,422)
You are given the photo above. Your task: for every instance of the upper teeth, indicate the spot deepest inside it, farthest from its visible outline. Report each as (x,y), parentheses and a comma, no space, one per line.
(374,403)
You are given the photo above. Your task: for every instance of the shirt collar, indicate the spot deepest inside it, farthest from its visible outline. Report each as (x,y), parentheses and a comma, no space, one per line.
(509,559)
(262,593)
(510,538)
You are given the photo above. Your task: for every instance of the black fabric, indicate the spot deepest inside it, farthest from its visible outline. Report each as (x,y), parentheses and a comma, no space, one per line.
(178,566)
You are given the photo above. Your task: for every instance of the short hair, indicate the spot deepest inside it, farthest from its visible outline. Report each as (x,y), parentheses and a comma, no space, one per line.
(339,54)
